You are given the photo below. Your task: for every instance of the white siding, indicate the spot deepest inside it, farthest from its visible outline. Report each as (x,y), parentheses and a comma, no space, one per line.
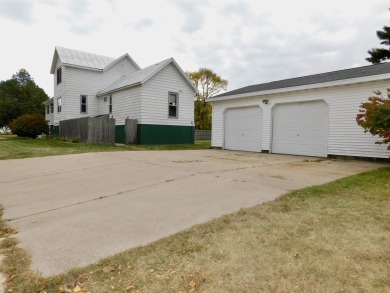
(77,81)
(125,103)
(49,117)
(121,68)
(81,82)
(155,98)
(59,90)
(345,136)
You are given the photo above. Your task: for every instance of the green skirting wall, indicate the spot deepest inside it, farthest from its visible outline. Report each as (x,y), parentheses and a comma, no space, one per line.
(165,134)
(56,130)
(158,134)
(119,133)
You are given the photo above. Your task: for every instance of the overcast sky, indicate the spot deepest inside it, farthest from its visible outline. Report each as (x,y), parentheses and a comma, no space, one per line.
(244,41)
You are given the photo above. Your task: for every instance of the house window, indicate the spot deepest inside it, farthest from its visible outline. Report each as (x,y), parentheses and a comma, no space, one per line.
(83,104)
(59,104)
(105,99)
(59,75)
(52,107)
(173,99)
(110,106)
(47,109)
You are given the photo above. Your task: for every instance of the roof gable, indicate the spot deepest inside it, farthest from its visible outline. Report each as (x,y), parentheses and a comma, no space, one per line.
(79,59)
(364,71)
(115,61)
(143,75)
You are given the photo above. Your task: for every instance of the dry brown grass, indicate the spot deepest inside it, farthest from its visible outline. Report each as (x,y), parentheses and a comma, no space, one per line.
(329,238)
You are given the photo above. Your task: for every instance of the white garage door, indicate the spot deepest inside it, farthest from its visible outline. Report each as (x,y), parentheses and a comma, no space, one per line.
(243,128)
(300,129)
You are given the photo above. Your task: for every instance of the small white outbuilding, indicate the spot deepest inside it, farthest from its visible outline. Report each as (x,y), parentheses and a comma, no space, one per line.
(312,115)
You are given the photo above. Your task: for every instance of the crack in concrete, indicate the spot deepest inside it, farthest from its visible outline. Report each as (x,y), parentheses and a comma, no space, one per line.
(142,187)
(129,191)
(56,173)
(85,201)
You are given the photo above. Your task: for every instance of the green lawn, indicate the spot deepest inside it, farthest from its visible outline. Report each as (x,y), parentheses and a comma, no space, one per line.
(329,238)
(12,147)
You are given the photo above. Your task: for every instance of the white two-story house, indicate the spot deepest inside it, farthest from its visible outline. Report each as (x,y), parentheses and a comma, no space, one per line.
(160,96)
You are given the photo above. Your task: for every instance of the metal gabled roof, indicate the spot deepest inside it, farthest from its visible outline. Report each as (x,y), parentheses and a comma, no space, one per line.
(86,60)
(80,59)
(364,71)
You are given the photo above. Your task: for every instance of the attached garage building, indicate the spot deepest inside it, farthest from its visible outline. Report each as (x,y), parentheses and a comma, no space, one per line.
(312,115)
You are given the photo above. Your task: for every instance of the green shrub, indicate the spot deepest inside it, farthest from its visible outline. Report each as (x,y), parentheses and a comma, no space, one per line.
(29,125)
(74,139)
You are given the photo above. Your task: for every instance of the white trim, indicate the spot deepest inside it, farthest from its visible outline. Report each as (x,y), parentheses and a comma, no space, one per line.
(364,79)
(118,89)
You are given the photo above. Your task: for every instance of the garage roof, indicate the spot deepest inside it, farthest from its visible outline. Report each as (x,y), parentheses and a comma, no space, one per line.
(363,71)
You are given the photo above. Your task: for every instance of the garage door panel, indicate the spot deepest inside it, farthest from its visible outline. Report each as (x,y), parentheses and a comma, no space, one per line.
(300,128)
(243,129)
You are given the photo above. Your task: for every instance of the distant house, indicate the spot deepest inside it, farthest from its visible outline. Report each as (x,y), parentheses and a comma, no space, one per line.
(160,96)
(312,115)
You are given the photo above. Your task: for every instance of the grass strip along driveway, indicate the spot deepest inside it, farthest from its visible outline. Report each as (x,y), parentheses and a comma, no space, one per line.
(12,147)
(329,238)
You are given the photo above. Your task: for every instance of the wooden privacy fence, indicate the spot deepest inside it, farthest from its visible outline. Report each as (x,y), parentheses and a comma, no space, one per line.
(130,131)
(96,130)
(202,134)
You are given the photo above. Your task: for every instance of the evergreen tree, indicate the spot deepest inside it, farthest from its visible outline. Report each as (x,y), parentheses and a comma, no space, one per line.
(379,55)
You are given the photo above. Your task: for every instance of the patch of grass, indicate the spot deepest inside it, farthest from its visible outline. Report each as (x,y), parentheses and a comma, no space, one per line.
(329,238)
(319,160)
(5,230)
(16,148)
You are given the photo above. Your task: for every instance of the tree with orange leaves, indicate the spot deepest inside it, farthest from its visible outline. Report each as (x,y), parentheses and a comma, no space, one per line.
(374,116)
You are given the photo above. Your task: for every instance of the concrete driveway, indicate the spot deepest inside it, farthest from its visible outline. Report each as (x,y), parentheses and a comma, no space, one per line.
(73,210)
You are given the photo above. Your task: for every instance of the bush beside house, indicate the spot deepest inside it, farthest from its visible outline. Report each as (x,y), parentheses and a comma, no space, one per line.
(29,125)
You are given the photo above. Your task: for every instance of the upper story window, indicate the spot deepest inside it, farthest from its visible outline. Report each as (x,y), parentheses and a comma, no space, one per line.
(59,75)
(52,107)
(59,105)
(83,104)
(47,109)
(110,105)
(173,101)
